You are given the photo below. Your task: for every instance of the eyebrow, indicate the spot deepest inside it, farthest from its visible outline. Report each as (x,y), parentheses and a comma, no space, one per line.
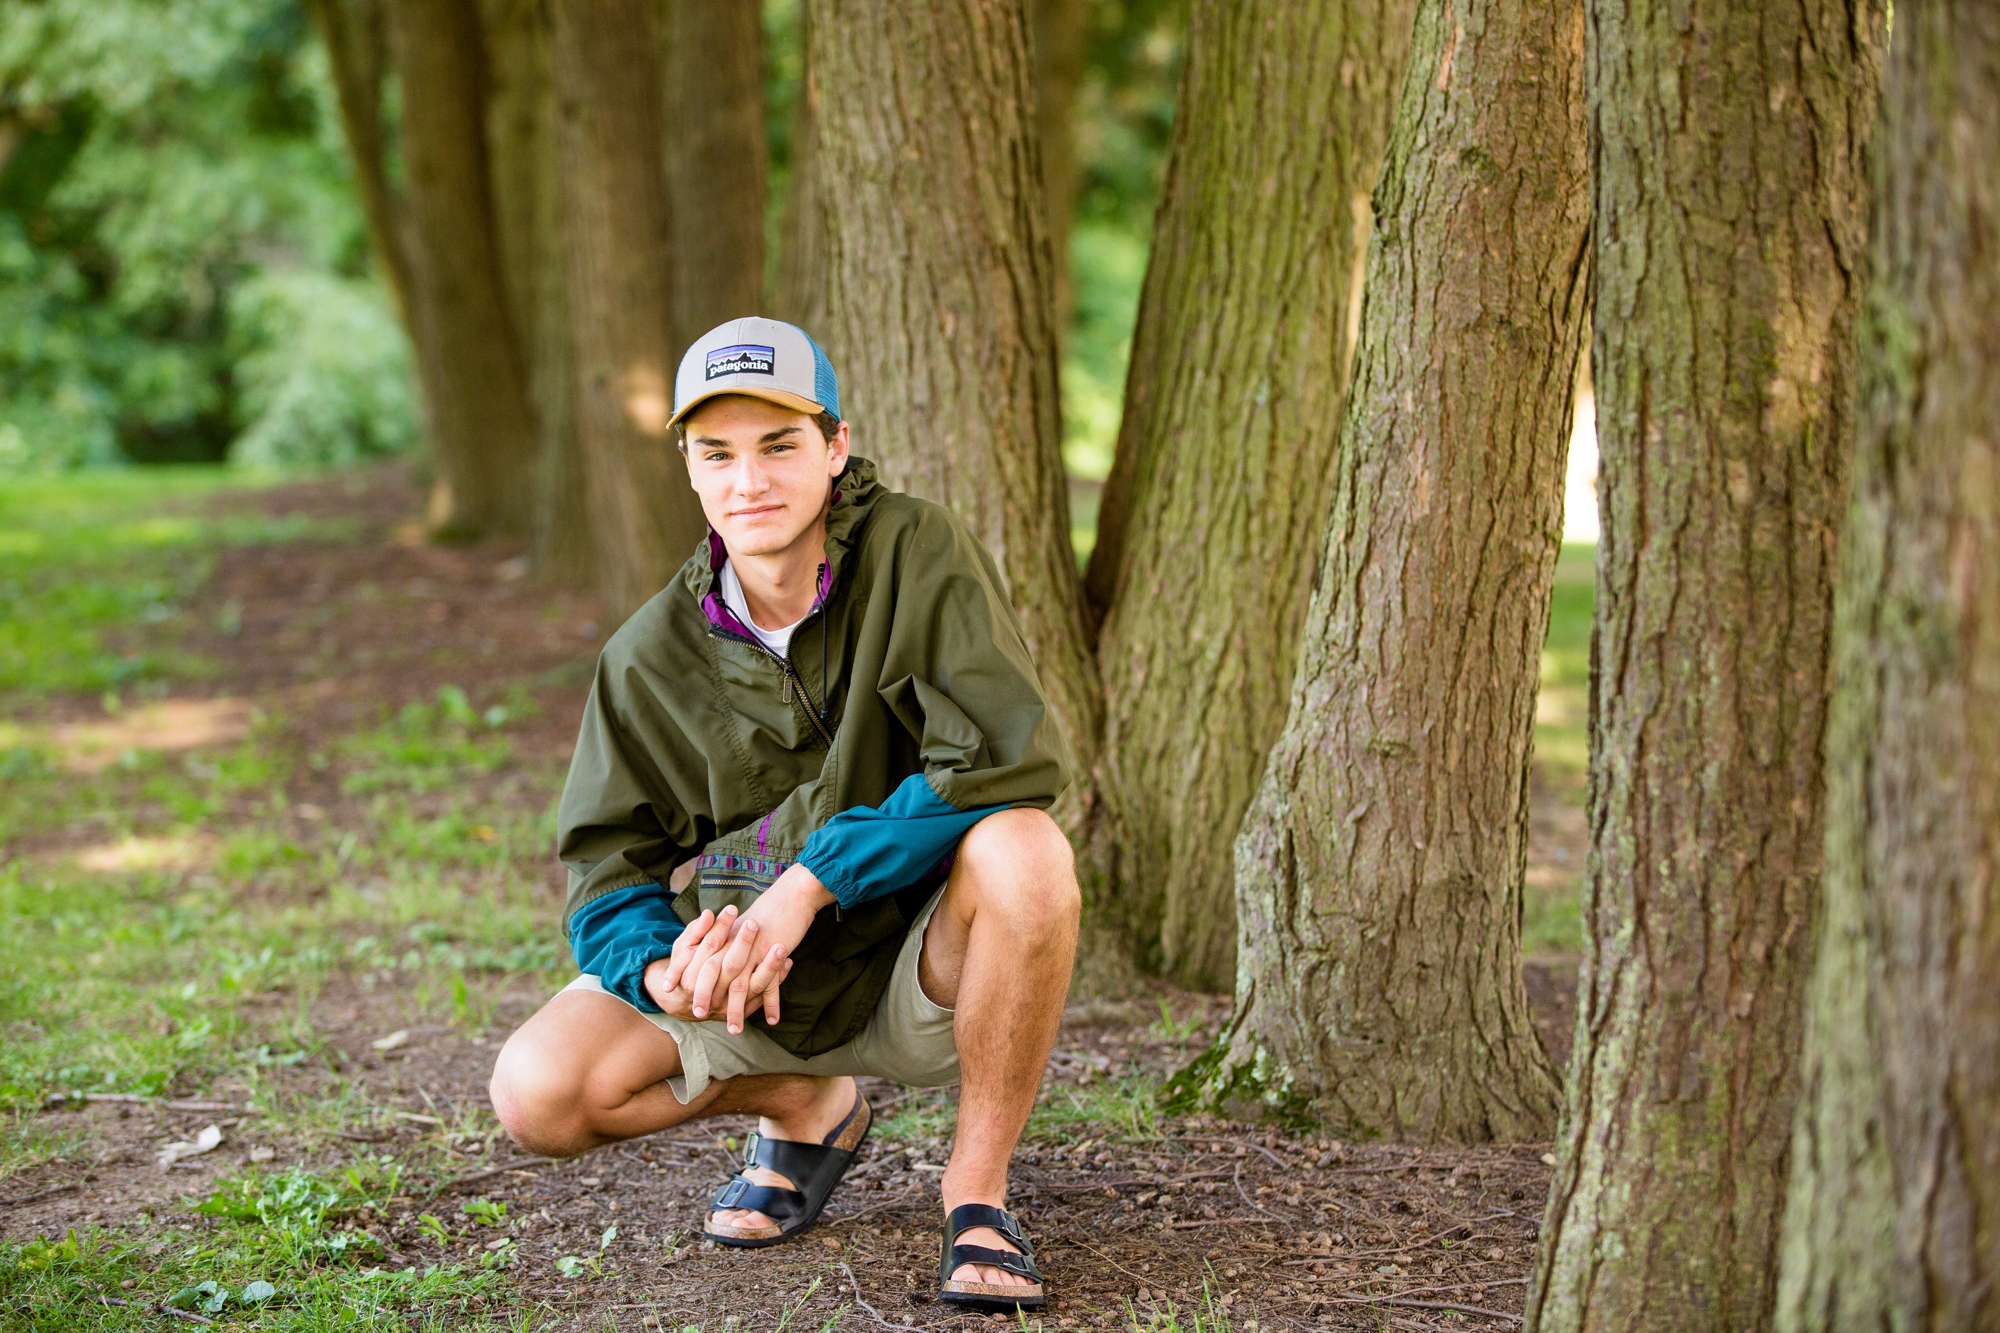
(703,441)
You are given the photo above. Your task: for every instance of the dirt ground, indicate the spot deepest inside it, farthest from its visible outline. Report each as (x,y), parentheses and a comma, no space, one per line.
(1287,1231)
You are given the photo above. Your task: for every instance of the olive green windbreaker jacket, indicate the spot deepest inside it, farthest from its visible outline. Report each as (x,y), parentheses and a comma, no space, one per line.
(697,741)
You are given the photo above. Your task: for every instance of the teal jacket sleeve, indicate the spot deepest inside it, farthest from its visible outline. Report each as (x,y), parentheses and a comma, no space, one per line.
(869,852)
(614,937)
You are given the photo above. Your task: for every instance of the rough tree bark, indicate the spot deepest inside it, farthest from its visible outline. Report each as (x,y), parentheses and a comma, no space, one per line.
(1060,28)
(1730,210)
(527,197)
(476,410)
(801,277)
(1379,870)
(617,239)
(1894,1213)
(1216,505)
(942,333)
(712,56)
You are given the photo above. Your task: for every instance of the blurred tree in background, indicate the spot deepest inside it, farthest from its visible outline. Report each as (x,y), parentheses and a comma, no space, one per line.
(182,264)
(185,269)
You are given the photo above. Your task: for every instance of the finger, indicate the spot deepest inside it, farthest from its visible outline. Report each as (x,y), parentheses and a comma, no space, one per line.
(769,969)
(702,965)
(736,959)
(771,992)
(684,948)
(710,980)
(739,994)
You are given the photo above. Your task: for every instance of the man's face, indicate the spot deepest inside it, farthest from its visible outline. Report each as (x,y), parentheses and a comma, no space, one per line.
(761,471)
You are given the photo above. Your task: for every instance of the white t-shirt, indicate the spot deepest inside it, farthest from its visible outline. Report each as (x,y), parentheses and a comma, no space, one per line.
(778,641)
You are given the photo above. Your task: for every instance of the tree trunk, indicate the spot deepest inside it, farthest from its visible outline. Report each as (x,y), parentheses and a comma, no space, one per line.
(1728,146)
(1060,28)
(1379,960)
(475,396)
(802,286)
(617,239)
(938,291)
(1216,505)
(527,194)
(356,37)
(713,58)
(1893,1220)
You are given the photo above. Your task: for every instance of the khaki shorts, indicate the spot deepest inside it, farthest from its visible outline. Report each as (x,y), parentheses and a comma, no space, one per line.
(908,1039)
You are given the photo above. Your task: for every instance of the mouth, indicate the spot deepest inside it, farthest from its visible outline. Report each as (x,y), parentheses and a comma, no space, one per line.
(759,511)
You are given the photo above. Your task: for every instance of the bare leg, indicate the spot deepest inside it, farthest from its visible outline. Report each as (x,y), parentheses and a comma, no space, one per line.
(588,1070)
(998,952)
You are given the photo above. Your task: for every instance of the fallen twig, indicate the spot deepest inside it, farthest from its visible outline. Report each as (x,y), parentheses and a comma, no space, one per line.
(1413,1245)
(862,1301)
(518,1164)
(169,1104)
(38,1194)
(1429,1305)
(1238,1180)
(160,1306)
(1276,1160)
(912,1197)
(1225,1222)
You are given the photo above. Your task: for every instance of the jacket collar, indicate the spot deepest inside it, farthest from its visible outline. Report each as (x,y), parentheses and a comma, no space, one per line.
(855,491)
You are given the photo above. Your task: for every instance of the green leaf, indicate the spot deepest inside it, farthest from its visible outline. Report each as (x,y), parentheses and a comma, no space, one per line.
(256,1293)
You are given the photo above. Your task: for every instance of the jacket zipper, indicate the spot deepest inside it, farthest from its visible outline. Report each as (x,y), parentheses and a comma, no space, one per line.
(789,677)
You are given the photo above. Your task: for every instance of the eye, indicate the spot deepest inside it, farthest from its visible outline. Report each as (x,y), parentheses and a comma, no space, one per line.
(715,456)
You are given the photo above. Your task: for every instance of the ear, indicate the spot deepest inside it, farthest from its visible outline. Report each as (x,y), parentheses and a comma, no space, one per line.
(836,451)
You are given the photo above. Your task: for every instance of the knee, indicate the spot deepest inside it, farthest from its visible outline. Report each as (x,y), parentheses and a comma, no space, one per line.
(1023,862)
(539,1098)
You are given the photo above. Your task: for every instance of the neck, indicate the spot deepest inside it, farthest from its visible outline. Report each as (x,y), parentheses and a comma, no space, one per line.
(780,586)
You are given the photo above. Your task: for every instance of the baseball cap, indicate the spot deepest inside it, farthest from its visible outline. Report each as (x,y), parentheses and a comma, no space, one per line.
(764,358)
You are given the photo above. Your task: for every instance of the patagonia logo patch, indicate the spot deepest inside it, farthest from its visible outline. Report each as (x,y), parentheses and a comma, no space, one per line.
(743,359)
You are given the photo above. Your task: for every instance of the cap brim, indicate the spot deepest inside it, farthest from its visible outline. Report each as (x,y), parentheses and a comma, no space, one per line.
(778,396)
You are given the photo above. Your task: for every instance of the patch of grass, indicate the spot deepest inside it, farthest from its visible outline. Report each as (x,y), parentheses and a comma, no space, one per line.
(430,746)
(1561,745)
(246,1270)
(95,568)
(1552,918)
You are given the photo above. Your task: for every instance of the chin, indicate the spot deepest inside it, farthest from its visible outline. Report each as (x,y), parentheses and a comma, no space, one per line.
(758,540)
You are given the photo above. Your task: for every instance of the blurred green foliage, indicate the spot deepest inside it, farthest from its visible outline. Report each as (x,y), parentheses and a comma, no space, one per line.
(182,262)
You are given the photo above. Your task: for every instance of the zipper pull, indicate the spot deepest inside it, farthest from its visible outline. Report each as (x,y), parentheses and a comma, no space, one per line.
(786,692)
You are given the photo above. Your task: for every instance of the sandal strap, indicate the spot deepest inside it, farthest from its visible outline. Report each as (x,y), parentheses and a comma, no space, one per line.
(969,1215)
(1020,1265)
(780,1205)
(812,1167)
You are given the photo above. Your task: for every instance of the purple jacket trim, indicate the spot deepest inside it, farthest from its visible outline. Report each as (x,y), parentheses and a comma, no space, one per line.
(763,833)
(720,615)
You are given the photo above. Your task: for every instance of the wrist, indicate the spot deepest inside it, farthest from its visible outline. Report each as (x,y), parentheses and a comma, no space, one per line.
(807,888)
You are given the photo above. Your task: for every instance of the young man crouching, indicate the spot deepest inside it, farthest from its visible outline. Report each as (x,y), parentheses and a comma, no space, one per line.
(831,712)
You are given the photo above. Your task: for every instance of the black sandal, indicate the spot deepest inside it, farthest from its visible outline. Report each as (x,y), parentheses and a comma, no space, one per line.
(816,1168)
(984,1295)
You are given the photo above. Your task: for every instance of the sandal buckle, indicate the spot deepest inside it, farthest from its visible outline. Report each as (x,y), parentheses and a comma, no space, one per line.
(732,1192)
(750,1149)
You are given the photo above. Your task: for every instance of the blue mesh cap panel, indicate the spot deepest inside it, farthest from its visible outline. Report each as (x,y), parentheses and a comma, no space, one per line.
(826,389)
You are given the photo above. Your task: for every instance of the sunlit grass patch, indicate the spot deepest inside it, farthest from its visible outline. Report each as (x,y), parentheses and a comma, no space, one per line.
(86,556)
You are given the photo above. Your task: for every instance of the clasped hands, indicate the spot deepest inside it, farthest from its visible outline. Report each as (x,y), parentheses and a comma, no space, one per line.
(725,964)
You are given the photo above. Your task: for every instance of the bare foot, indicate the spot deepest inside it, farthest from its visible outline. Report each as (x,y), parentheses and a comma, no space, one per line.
(811,1125)
(986,1273)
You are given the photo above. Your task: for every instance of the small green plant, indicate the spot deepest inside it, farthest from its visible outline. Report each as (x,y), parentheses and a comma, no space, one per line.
(485,1212)
(571,1265)
(433,1228)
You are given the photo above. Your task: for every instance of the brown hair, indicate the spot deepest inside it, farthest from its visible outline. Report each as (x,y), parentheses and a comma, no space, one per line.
(827,422)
